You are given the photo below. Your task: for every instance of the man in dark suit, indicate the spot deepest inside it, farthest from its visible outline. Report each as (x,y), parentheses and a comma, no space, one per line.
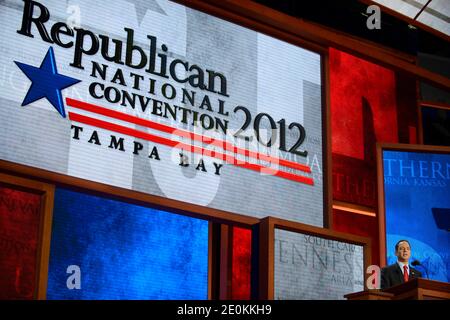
(400,271)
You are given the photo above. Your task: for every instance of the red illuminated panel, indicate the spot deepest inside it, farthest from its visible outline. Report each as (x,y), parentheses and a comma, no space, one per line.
(19,230)
(363,112)
(363,105)
(241,263)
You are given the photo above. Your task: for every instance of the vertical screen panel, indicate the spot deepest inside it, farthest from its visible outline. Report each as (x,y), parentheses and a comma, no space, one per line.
(308,267)
(19,232)
(417,202)
(241,263)
(125,251)
(363,111)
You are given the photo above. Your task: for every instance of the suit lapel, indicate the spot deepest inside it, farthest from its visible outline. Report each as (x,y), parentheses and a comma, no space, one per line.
(399,273)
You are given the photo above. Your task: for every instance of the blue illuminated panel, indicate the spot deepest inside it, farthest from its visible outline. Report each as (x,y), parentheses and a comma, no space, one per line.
(125,251)
(417,200)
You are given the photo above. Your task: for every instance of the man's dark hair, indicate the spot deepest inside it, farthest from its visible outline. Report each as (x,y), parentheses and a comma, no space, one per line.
(396,245)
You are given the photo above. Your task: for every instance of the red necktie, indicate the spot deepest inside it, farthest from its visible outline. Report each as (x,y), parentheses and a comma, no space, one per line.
(405,273)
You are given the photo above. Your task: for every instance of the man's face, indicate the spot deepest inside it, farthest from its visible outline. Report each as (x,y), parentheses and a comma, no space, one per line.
(403,252)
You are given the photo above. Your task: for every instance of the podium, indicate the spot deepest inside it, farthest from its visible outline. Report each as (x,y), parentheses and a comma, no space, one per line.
(374,294)
(416,289)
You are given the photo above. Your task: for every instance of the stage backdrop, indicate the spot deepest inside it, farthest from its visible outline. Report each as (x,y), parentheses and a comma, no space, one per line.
(417,201)
(91,92)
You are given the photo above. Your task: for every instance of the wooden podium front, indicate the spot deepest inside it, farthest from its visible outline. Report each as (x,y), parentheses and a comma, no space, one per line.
(416,289)
(369,295)
(420,289)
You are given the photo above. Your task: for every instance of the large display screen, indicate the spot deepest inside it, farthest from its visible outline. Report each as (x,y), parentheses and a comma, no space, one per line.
(107,249)
(159,98)
(417,202)
(315,268)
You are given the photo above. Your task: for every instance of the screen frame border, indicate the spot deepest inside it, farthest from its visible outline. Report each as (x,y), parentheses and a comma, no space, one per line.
(263,285)
(380,181)
(47,194)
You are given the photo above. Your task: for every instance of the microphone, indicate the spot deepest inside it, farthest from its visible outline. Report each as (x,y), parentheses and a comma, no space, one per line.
(418,263)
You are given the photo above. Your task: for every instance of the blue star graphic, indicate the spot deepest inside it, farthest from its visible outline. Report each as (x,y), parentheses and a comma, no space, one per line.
(46,82)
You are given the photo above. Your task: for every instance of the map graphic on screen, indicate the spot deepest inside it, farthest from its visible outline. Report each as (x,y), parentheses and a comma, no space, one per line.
(417,201)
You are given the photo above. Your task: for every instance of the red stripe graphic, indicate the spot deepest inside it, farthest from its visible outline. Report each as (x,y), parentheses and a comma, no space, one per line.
(182,133)
(195,149)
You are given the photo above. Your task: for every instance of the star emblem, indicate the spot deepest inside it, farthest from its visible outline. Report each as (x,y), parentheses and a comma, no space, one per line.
(142,7)
(46,82)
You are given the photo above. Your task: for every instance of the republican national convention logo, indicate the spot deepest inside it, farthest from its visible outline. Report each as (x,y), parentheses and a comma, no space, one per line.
(46,82)
(202,94)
